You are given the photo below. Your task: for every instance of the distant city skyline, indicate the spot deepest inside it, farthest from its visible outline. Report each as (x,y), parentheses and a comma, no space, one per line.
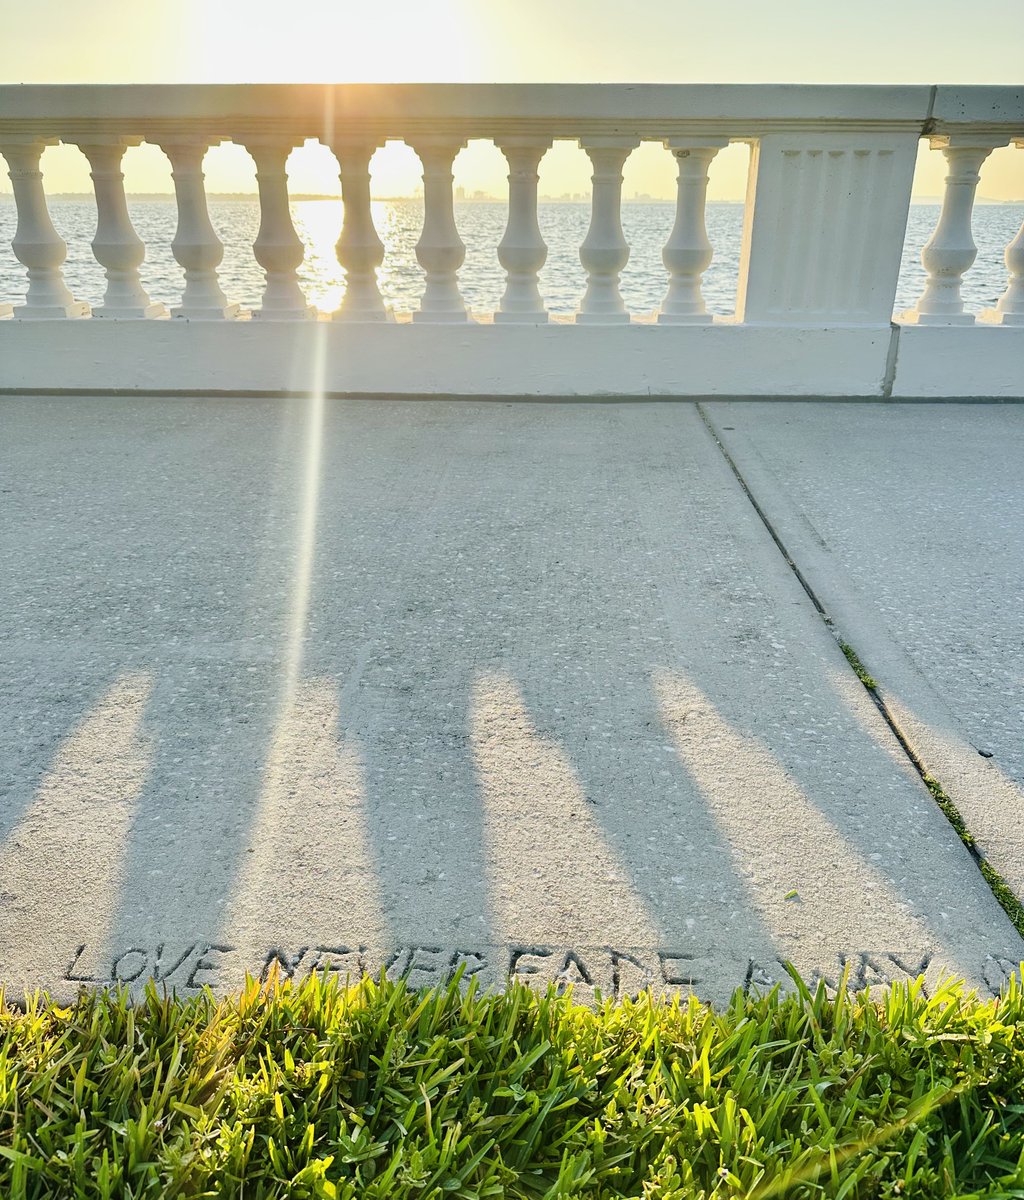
(735,41)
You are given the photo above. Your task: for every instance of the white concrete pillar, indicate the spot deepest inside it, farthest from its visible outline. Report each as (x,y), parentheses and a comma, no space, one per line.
(440,250)
(1010,309)
(278,248)
(605,251)
(116,246)
(688,252)
(196,247)
(824,225)
(360,250)
(36,244)
(522,251)
(950,251)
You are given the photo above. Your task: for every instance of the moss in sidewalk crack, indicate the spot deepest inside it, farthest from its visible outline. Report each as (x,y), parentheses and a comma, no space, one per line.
(998,885)
(1000,889)
(858,667)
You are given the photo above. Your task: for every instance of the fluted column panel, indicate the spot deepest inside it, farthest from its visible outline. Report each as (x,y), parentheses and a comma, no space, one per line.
(278,248)
(605,251)
(950,251)
(522,251)
(196,247)
(440,250)
(116,245)
(36,244)
(688,252)
(360,250)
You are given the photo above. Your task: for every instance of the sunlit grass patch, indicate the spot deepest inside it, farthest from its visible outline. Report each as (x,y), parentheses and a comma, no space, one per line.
(374,1092)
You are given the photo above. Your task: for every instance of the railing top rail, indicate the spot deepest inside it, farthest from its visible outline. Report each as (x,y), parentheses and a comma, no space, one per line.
(471,109)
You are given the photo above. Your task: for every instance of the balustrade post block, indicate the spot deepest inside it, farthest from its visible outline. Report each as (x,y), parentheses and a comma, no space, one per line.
(824,224)
(1010,309)
(196,247)
(605,251)
(36,244)
(688,252)
(522,250)
(278,248)
(359,248)
(950,251)
(439,251)
(116,246)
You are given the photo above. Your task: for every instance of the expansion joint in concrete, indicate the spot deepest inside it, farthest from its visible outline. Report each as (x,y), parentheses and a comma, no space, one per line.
(764,517)
(1000,889)
(891,358)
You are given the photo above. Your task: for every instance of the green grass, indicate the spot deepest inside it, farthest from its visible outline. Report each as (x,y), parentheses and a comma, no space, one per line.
(378,1093)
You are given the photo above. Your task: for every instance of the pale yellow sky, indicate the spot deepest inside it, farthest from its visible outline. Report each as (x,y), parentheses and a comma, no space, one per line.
(741,41)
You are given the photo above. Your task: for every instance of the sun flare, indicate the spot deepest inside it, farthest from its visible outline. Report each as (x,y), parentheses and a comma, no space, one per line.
(337,41)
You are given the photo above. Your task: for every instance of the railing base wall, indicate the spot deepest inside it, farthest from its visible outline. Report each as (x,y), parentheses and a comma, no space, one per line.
(938,362)
(636,361)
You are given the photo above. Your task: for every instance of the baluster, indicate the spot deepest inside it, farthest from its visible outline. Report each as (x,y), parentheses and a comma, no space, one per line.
(36,244)
(1010,309)
(196,247)
(116,246)
(522,251)
(950,251)
(688,252)
(605,251)
(440,251)
(360,251)
(278,248)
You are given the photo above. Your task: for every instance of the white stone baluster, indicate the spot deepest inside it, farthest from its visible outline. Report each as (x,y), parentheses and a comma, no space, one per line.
(278,248)
(196,247)
(522,251)
(950,251)
(440,251)
(1010,309)
(605,251)
(116,246)
(360,250)
(36,244)
(688,252)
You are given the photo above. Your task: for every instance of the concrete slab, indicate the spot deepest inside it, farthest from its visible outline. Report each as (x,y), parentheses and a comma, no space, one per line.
(908,522)
(403,685)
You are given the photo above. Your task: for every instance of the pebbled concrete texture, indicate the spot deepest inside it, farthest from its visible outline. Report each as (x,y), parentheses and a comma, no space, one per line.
(373,685)
(908,522)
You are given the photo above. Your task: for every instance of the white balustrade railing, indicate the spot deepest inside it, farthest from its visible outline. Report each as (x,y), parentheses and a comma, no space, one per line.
(827,203)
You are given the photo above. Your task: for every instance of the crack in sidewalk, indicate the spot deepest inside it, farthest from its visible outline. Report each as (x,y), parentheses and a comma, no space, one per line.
(1000,889)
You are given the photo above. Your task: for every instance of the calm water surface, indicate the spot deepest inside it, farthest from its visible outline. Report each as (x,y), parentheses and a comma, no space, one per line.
(564,226)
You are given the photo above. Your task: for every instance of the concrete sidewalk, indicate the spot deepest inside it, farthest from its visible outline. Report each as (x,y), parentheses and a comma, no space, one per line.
(907,522)
(404,685)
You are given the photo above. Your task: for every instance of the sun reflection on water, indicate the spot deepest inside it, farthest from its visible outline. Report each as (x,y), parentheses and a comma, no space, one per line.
(318,223)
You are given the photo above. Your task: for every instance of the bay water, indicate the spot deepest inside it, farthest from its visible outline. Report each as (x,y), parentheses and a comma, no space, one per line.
(481,223)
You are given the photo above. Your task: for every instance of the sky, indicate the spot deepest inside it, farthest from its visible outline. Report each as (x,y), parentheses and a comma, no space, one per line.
(596,41)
